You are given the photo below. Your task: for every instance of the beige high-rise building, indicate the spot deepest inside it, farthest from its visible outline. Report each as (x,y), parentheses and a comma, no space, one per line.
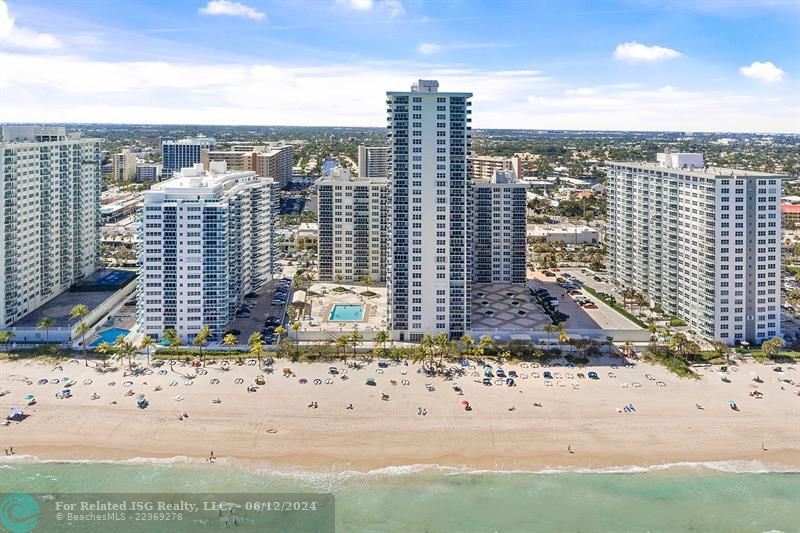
(483,167)
(124,164)
(272,160)
(372,161)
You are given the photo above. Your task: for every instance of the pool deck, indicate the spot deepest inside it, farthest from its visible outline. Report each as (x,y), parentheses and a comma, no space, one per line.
(320,308)
(361,307)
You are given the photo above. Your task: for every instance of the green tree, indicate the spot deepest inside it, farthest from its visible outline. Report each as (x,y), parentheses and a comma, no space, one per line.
(76,313)
(5,338)
(201,340)
(382,337)
(256,338)
(147,344)
(343,342)
(279,332)
(83,329)
(46,323)
(356,338)
(125,348)
(295,327)
(772,347)
(105,349)
(230,341)
(467,344)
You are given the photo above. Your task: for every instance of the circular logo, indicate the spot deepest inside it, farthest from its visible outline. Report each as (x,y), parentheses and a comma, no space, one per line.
(19,512)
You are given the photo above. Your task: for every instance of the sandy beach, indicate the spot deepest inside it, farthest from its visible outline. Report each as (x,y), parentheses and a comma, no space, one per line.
(581,422)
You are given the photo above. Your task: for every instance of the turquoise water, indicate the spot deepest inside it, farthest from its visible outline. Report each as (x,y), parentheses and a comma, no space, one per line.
(109,336)
(347,312)
(437,500)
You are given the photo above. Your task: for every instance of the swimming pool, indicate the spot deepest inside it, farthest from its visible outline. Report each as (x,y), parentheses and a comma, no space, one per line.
(347,312)
(109,336)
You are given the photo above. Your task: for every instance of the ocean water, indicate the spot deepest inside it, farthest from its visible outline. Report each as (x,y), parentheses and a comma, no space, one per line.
(710,498)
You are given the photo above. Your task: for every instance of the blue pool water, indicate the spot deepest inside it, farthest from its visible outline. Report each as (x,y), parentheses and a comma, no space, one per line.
(345,312)
(109,336)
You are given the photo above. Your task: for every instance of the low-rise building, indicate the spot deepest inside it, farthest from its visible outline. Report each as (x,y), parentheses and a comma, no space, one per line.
(147,172)
(567,234)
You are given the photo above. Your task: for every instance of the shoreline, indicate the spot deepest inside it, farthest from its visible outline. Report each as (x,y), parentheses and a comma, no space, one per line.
(578,426)
(723,467)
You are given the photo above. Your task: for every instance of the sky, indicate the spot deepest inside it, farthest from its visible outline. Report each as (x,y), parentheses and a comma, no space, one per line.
(680,65)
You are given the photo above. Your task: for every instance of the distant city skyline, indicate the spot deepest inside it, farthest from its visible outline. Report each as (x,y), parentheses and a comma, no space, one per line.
(685,65)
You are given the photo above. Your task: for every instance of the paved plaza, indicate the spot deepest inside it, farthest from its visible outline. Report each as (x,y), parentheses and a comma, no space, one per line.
(316,305)
(505,308)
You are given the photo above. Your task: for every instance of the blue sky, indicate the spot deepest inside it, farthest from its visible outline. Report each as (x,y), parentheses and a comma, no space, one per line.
(695,65)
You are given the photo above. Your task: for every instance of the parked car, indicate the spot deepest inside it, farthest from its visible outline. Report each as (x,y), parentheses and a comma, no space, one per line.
(597,278)
(548,274)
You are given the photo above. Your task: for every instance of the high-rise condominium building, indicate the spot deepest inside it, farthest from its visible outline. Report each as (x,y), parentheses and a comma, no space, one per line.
(701,242)
(273,160)
(50,213)
(352,215)
(483,167)
(430,264)
(207,239)
(499,229)
(373,161)
(182,153)
(124,165)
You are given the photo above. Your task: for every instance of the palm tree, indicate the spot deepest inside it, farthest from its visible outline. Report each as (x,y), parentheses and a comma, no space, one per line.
(230,341)
(146,344)
(76,313)
(442,343)
(549,329)
(426,344)
(382,337)
(295,327)
(343,341)
(255,338)
(563,338)
(46,323)
(256,347)
(82,330)
(105,348)
(279,331)
(356,338)
(486,343)
(125,349)
(201,339)
(173,341)
(5,338)
(468,343)
(680,344)
(652,328)
(366,281)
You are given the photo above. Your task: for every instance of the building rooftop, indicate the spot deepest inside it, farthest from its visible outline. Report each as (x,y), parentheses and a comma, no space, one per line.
(707,172)
(341,174)
(196,177)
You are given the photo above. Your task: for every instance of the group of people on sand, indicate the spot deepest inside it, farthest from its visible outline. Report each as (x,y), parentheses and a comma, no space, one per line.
(10,450)
(183,415)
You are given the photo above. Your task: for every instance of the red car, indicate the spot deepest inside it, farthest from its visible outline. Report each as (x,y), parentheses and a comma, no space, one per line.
(556,269)
(575,293)
(590,305)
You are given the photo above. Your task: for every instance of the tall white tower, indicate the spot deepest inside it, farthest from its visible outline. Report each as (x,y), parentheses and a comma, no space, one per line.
(430,259)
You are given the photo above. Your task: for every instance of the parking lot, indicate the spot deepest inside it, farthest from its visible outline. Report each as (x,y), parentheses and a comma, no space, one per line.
(601,317)
(261,310)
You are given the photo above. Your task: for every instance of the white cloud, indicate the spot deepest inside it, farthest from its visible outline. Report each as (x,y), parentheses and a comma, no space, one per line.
(70,88)
(231,9)
(428,48)
(582,91)
(633,51)
(393,8)
(765,71)
(12,36)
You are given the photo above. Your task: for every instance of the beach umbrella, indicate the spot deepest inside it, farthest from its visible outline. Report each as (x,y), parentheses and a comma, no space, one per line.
(29,397)
(464,402)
